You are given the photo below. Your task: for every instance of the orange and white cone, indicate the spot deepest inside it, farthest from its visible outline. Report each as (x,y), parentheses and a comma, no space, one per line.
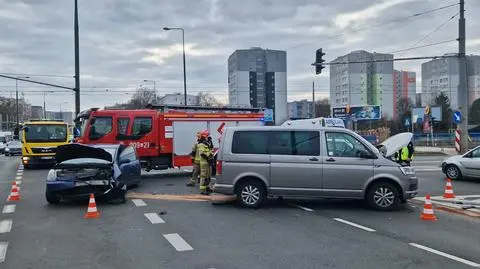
(448,190)
(92,211)
(14,194)
(428,210)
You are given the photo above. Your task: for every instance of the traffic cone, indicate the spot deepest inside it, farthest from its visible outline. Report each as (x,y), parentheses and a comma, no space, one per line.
(92,211)
(14,195)
(428,210)
(448,190)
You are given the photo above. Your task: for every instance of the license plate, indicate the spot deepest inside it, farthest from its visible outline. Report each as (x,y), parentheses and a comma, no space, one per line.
(46,158)
(91,182)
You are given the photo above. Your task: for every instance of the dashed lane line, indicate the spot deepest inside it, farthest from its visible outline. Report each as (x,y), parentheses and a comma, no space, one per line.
(5,226)
(18,177)
(8,209)
(300,207)
(354,225)
(19,182)
(139,202)
(3,251)
(446,255)
(154,218)
(178,242)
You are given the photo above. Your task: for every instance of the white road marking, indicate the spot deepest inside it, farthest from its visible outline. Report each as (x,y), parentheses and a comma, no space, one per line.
(18,182)
(303,208)
(3,251)
(139,202)
(177,242)
(355,225)
(19,174)
(446,255)
(154,218)
(5,226)
(18,177)
(8,209)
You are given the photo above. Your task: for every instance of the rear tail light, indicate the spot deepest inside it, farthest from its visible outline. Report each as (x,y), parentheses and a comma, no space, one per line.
(219,167)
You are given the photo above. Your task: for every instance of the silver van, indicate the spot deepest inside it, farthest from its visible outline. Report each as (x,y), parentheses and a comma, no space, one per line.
(256,163)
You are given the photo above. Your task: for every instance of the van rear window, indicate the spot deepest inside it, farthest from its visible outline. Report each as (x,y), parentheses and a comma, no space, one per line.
(250,142)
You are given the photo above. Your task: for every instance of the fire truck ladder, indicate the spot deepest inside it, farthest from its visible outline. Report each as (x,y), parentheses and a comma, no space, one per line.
(223,109)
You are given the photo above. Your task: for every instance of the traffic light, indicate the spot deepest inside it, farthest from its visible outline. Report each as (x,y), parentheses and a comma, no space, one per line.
(319,61)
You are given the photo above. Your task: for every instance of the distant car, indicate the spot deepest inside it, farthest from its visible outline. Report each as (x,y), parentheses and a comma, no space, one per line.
(104,170)
(463,166)
(13,148)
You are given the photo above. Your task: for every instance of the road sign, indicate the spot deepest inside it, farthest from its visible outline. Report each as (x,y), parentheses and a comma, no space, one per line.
(268,115)
(407,122)
(457,117)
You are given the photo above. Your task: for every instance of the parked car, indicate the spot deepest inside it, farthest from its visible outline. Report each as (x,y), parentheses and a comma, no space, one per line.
(463,166)
(13,148)
(104,170)
(259,162)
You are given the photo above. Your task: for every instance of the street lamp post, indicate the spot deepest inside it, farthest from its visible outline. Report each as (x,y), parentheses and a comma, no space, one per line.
(184,64)
(44,105)
(16,101)
(154,84)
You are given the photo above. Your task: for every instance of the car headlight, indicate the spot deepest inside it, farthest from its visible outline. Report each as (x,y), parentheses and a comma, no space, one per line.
(7,149)
(52,175)
(407,170)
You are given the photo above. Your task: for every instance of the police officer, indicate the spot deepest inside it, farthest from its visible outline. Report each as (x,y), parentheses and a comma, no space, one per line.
(405,154)
(195,155)
(205,157)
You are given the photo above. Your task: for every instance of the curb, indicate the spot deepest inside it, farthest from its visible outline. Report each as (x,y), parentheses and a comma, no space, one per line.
(444,208)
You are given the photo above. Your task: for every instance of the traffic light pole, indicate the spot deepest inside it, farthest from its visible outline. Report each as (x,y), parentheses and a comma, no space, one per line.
(462,93)
(77,62)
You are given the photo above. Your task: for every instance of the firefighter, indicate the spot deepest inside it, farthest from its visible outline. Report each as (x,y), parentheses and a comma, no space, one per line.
(205,157)
(405,154)
(195,155)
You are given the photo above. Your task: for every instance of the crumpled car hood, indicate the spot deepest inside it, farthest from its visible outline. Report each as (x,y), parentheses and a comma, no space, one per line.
(77,151)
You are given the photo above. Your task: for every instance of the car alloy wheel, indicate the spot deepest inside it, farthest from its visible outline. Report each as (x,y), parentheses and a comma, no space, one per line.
(384,197)
(452,172)
(251,193)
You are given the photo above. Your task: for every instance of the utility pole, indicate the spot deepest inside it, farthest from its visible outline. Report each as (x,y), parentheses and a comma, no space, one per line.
(313,100)
(77,62)
(462,93)
(16,103)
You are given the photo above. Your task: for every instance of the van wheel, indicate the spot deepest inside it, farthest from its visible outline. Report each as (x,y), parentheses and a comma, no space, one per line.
(383,196)
(251,193)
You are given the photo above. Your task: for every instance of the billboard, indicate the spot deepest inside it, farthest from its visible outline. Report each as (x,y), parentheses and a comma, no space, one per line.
(419,112)
(358,112)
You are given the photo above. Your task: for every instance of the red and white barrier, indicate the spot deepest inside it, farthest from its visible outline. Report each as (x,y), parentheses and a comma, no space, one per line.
(457,140)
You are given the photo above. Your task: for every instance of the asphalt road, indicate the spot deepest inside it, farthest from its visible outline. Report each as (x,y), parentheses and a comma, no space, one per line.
(180,234)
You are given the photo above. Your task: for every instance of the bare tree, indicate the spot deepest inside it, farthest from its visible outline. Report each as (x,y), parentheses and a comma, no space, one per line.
(206,99)
(142,97)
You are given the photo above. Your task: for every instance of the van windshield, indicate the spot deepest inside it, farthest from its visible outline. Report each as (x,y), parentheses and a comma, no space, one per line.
(46,133)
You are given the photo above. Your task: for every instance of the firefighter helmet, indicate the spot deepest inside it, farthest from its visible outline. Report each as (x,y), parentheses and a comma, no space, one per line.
(204,134)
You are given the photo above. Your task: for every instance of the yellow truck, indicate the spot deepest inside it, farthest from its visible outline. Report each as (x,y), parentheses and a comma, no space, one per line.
(40,138)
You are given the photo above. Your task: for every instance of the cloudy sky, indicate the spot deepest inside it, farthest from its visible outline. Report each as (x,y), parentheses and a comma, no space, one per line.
(122,42)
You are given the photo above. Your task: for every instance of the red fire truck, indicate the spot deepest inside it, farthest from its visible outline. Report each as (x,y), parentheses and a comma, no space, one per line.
(162,135)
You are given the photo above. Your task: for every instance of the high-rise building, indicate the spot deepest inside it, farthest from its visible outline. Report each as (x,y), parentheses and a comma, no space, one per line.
(300,109)
(404,88)
(258,78)
(366,83)
(441,75)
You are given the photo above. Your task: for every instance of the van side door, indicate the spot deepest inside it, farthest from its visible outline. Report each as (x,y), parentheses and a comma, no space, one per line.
(345,172)
(295,163)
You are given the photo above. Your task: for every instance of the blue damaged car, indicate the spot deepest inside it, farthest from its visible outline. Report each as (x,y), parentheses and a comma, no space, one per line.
(104,170)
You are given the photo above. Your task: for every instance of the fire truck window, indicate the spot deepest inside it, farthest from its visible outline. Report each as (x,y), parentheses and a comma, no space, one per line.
(141,126)
(122,125)
(101,127)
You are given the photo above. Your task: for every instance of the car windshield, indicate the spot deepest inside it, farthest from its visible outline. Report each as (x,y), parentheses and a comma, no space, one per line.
(46,133)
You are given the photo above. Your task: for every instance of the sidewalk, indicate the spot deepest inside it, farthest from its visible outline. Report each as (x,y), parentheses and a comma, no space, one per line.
(435,151)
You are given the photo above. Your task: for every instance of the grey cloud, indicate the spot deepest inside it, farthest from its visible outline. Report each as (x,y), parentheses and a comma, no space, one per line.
(116,36)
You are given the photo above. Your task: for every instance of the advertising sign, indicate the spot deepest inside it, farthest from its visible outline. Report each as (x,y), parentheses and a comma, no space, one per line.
(358,112)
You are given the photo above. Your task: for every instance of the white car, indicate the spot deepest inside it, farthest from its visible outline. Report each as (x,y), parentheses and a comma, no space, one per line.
(460,166)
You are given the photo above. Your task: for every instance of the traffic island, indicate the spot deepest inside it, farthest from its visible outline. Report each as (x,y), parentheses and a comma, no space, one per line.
(467,205)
